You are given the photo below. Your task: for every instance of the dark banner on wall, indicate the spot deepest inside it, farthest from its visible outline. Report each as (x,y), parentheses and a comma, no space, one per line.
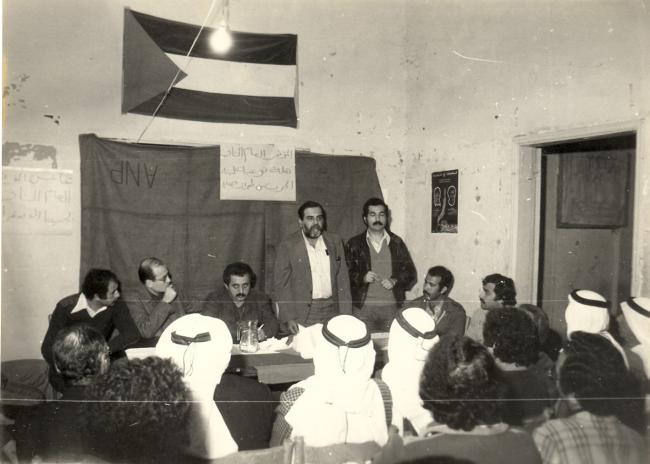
(444,202)
(140,200)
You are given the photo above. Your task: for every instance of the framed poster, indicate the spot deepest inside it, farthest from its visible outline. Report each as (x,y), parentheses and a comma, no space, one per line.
(593,190)
(444,202)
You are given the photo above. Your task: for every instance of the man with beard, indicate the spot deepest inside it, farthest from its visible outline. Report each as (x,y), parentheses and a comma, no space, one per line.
(448,314)
(381,269)
(310,275)
(238,301)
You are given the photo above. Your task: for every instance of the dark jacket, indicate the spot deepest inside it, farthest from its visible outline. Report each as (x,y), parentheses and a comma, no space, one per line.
(453,318)
(257,306)
(357,254)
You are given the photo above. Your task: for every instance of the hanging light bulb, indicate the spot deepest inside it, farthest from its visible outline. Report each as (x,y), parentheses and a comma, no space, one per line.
(221,39)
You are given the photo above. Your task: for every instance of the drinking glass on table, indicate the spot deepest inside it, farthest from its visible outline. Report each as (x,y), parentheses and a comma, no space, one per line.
(247,335)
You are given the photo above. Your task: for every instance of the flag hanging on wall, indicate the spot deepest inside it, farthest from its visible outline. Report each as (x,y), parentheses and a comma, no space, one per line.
(255,82)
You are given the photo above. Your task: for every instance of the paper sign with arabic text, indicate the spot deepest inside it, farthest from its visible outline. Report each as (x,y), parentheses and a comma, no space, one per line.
(257,172)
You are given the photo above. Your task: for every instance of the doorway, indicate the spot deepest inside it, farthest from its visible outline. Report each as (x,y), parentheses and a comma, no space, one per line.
(586,221)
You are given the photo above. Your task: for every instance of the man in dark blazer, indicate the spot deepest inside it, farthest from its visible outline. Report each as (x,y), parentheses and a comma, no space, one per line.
(310,276)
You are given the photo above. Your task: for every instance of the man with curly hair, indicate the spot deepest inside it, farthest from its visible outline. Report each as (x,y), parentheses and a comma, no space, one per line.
(511,336)
(497,291)
(139,413)
(53,430)
(595,383)
(462,387)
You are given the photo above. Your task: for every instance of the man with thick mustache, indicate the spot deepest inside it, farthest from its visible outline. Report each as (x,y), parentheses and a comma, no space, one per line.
(238,301)
(310,275)
(381,268)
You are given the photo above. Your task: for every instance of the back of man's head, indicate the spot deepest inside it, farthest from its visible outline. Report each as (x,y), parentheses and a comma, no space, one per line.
(504,288)
(145,270)
(513,336)
(139,412)
(445,275)
(96,283)
(79,354)
(594,372)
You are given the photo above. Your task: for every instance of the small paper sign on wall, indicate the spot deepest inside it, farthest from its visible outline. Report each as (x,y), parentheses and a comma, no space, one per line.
(36,201)
(257,172)
(444,202)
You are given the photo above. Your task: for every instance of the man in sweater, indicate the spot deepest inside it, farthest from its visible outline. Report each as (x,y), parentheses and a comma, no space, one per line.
(99,306)
(381,269)
(155,304)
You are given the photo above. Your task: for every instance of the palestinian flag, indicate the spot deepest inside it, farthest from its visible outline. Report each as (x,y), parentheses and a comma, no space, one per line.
(255,82)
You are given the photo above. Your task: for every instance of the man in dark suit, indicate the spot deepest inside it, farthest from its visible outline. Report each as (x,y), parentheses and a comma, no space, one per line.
(310,276)
(99,306)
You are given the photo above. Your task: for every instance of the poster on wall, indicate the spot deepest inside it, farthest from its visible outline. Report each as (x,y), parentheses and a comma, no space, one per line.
(444,202)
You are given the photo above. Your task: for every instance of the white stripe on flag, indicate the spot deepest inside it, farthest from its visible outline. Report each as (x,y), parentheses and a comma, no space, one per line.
(217,76)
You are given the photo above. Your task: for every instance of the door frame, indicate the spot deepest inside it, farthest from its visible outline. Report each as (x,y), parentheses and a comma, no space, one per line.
(526,199)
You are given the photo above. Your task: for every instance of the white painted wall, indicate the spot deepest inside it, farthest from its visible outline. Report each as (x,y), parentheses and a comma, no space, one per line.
(481,73)
(395,80)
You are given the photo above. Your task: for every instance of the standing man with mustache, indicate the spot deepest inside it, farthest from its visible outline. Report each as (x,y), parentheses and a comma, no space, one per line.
(310,275)
(381,268)
(238,301)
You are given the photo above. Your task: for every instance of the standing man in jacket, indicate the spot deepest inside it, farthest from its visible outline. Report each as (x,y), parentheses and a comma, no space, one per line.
(310,276)
(381,268)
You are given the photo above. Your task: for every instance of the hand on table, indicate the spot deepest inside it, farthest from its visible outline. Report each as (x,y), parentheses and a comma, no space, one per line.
(292,326)
(261,336)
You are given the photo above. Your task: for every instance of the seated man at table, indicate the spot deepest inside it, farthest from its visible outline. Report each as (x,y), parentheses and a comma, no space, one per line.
(238,301)
(98,305)
(230,412)
(155,304)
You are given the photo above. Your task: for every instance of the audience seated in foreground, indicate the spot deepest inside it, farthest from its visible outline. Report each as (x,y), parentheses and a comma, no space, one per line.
(411,337)
(511,337)
(201,346)
(340,403)
(53,431)
(588,311)
(139,413)
(462,387)
(594,382)
(636,314)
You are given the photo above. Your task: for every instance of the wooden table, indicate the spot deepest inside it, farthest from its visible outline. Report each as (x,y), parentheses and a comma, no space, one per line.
(284,366)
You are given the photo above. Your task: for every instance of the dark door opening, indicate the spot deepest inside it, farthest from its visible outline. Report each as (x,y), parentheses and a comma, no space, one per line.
(582,246)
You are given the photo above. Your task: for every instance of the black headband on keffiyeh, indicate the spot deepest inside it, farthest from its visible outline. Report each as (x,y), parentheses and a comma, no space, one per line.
(637,307)
(334,340)
(586,301)
(184,340)
(413,331)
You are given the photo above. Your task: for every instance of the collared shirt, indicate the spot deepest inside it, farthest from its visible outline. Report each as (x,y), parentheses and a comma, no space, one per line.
(319,262)
(585,437)
(82,304)
(377,245)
